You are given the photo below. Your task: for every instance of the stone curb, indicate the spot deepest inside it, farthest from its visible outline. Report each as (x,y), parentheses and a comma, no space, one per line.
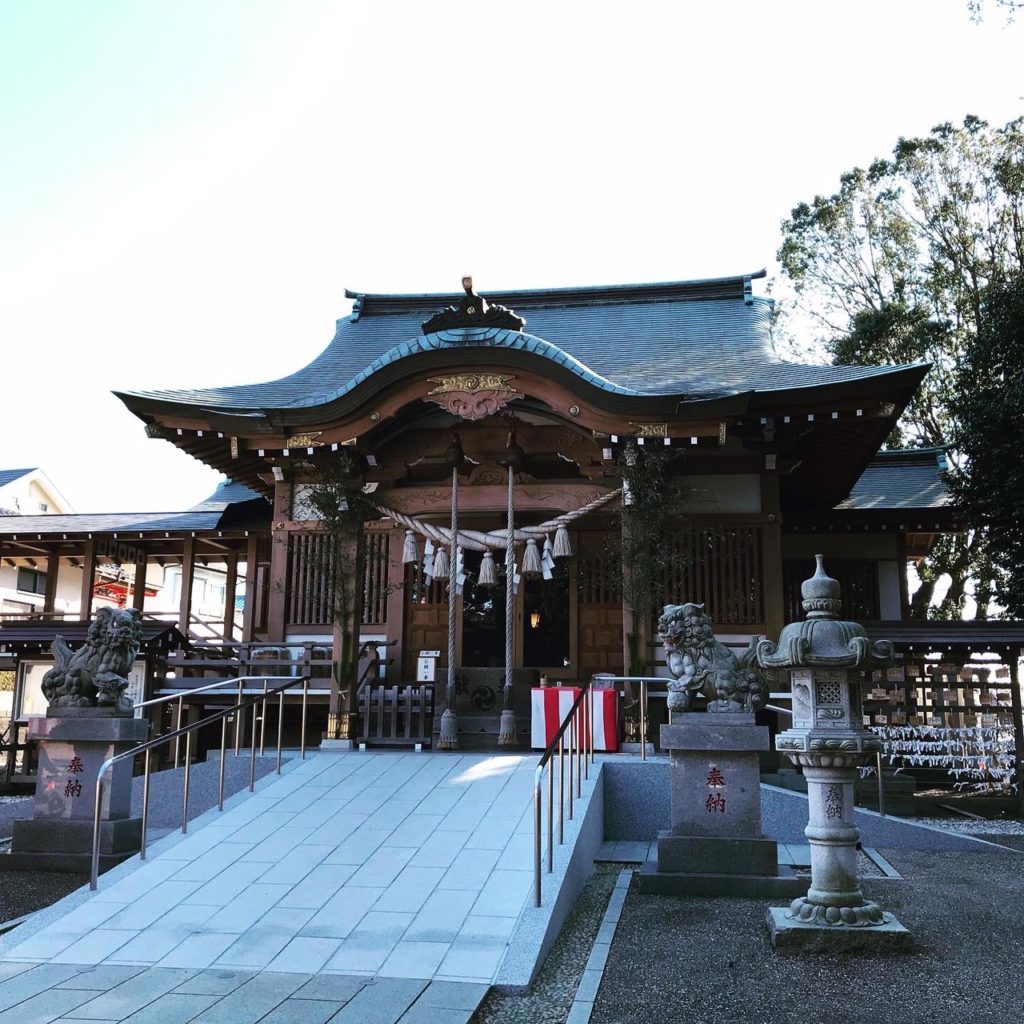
(586,992)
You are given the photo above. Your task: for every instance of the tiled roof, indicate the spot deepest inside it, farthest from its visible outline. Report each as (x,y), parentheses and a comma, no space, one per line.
(695,340)
(8,476)
(228,492)
(210,514)
(906,479)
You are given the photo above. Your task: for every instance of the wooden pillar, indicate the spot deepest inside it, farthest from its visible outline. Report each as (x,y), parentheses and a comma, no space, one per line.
(141,569)
(88,579)
(230,583)
(188,568)
(52,572)
(277,599)
(396,603)
(278,584)
(771,555)
(249,612)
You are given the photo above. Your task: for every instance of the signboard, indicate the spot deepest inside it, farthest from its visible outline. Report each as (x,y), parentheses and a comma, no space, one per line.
(426,665)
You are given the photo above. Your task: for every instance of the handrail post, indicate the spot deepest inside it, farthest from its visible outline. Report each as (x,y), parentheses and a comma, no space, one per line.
(599,711)
(881,785)
(238,719)
(263,721)
(580,739)
(302,741)
(572,739)
(643,720)
(94,871)
(223,754)
(561,791)
(280,726)
(145,804)
(536,834)
(184,797)
(551,815)
(177,725)
(252,753)
(587,728)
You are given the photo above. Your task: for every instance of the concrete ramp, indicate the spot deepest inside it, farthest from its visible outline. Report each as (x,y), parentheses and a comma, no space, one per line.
(372,864)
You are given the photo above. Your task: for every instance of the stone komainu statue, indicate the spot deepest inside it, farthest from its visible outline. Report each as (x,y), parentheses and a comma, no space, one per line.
(699,664)
(96,675)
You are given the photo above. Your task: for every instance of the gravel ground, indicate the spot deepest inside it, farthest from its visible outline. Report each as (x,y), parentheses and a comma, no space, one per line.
(710,962)
(551,995)
(977,826)
(22,892)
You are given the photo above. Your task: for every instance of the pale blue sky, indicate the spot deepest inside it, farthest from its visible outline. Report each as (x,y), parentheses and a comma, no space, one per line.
(186,188)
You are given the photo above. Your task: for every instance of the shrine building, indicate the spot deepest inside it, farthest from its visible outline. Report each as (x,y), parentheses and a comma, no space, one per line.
(777,460)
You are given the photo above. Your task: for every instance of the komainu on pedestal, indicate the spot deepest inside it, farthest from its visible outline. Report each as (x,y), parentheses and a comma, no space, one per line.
(714,846)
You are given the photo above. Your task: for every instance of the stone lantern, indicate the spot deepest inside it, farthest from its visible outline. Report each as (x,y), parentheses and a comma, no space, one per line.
(825,657)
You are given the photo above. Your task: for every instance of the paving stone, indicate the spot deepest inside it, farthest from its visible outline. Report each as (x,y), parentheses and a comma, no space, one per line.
(26,984)
(132,995)
(422,1014)
(101,978)
(380,1002)
(453,994)
(44,1006)
(172,1008)
(253,1000)
(414,960)
(332,987)
(215,982)
(303,1011)
(9,969)
(199,950)
(305,954)
(94,947)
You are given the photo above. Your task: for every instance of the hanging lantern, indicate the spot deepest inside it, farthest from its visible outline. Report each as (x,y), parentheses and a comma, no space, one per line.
(410,552)
(562,548)
(534,619)
(441,567)
(488,572)
(531,559)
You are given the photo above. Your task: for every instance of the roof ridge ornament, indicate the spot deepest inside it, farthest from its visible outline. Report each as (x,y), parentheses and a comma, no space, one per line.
(473,311)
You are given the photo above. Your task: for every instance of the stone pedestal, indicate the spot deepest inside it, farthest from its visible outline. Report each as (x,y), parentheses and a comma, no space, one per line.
(73,744)
(714,846)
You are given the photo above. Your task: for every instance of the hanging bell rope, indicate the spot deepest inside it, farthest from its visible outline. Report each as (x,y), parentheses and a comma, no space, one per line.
(475,540)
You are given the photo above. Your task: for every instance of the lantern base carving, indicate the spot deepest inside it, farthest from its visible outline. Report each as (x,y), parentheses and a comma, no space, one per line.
(792,933)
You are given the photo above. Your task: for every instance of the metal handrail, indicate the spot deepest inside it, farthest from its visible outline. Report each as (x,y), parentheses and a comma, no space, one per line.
(187,731)
(604,677)
(180,698)
(581,746)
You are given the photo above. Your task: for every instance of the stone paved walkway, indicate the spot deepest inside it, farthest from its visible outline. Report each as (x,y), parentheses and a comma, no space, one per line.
(69,994)
(381,865)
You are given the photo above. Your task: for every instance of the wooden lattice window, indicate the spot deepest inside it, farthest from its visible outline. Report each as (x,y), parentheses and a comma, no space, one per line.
(375,579)
(719,567)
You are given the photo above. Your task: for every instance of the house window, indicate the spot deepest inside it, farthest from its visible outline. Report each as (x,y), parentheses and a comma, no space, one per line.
(31,582)
(43,507)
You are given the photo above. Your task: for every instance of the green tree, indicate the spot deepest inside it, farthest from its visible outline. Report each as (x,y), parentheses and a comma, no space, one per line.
(988,409)
(335,500)
(894,267)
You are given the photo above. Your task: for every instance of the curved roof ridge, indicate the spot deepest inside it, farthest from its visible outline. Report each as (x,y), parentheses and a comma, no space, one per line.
(569,291)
